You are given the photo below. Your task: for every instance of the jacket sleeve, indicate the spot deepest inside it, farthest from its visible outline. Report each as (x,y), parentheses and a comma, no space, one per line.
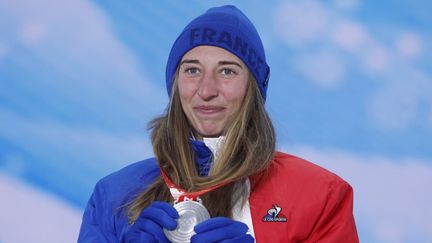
(97,223)
(336,223)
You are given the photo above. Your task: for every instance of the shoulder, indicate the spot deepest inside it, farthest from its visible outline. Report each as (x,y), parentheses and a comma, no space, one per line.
(289,171)
(301,169)
(312,200)
(129,181)
(104,216)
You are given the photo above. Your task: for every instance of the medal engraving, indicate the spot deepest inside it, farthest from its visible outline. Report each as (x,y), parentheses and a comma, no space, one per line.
(191,213)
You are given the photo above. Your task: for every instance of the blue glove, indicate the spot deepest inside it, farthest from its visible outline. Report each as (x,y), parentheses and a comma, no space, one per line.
(150,223)
(221,229)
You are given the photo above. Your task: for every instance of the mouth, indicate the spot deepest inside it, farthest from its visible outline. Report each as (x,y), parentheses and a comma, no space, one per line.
(208,110)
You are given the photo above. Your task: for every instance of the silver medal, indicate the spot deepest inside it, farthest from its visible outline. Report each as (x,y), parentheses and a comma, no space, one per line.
(191,213)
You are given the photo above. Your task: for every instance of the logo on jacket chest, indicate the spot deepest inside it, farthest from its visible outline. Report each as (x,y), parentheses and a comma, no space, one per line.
(275,214)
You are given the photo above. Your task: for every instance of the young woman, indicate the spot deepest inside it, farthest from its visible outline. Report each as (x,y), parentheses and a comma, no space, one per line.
(216,176)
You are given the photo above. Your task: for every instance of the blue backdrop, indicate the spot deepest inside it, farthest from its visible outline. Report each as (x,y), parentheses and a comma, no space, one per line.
(350,90)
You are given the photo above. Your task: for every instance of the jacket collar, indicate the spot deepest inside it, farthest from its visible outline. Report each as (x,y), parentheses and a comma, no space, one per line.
(203,156)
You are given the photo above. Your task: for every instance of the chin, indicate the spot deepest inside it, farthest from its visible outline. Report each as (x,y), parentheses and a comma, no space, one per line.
(209,133)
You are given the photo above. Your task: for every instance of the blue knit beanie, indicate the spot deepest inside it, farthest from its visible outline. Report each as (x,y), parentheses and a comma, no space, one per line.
(228,28)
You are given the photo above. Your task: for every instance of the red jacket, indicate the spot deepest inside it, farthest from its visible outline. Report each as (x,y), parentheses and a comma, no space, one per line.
(309,204)
(292,201)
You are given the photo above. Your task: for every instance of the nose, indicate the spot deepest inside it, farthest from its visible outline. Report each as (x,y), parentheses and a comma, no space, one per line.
(208,88)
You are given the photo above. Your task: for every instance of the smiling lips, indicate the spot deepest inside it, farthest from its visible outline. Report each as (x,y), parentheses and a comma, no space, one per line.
(209,110)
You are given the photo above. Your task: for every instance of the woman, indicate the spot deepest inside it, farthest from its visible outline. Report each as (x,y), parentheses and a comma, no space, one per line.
(216,176)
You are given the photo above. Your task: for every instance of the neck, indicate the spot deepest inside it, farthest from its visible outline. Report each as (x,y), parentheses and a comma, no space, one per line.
(214,144)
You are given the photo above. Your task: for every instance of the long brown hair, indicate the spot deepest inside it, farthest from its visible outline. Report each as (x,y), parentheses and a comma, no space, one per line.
(248,149)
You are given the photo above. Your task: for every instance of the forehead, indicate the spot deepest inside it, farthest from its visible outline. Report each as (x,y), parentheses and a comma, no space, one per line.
(211,53)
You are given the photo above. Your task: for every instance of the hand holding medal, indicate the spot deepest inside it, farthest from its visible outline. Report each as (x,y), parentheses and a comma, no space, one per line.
(148,227)
(221,229)
(190,209)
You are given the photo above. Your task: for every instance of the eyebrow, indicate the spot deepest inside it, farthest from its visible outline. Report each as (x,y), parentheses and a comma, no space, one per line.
(189,61)
(195,61)
(230,63)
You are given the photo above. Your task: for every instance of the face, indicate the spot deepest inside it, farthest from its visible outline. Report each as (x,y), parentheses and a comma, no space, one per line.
(212,84)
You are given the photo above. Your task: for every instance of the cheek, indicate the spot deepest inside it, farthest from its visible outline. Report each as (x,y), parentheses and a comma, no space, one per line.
(236,92)
(235,97)
(186,89)
(236,104)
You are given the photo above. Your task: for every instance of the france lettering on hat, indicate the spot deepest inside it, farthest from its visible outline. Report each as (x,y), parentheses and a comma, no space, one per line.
(228,28)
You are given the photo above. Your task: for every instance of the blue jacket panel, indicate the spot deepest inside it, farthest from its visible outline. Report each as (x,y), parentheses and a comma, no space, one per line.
(105,218)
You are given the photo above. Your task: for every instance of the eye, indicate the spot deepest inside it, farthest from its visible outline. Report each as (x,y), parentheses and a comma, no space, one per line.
(192,70)
(227,72)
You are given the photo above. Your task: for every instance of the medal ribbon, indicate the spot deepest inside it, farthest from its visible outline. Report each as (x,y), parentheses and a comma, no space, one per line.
(180,195)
